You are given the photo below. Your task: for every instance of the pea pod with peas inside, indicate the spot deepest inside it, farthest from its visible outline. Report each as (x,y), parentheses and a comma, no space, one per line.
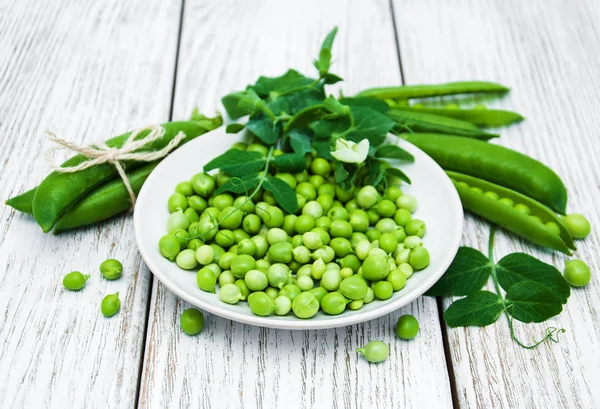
(413,121)
(496,164)
(513,211)
(479,117)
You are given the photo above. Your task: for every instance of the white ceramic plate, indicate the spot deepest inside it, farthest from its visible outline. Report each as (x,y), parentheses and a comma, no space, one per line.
(439,206)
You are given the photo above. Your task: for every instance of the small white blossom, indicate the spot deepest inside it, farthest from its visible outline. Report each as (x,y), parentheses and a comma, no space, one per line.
(351,152)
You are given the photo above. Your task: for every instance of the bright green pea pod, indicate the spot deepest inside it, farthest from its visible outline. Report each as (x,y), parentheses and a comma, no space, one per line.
(509,217)
(433,90)
(59,191)
(23,201)
(480,117)
(413,121)
(496,164)
(104,202)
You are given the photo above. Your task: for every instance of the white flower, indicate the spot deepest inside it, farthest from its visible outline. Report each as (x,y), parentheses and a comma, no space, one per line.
(351,152)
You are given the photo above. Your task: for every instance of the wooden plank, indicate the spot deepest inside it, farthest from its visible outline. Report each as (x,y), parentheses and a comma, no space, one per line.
(547,52)
(225,46)
(86,70)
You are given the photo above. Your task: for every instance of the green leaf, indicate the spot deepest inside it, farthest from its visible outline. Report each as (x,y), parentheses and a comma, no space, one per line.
(241,184)
(393,152)
(332,78)
(366,102)
(305,117)
(330,128)
(341,174)
(300,141)
(230,102)
(296,101)
(477,309)
(237,162)
(376,172)
(323,149)
(519,267)
(272,86)
(290,162)
(370,124)
(283,193)
(234,128)
(468,272)
(328,42)
(324,62)
(263,128)
(530,301)
(395,172)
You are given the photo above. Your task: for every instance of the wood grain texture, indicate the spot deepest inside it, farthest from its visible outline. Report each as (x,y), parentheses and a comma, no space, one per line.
(86,70)
(226,45)
(546,51)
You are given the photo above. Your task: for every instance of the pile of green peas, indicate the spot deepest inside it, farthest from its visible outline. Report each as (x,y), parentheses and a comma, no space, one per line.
(339,251)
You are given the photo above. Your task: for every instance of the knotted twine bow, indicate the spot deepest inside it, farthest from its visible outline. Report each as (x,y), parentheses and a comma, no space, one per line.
(102,153)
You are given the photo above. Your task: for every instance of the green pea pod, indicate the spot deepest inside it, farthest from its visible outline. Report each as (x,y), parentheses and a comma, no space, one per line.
(433,90)
(59,191)
(104,202)
(423,122)
(23,201)
(475,198)
(479,117)
(495,163)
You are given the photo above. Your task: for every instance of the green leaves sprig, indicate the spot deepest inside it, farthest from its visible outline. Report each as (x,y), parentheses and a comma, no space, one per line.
(534,291)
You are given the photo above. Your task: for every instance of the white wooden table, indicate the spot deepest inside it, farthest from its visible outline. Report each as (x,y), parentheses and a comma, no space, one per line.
(90,69)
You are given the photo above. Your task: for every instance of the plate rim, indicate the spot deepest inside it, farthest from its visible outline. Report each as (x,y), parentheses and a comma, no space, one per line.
(297,323)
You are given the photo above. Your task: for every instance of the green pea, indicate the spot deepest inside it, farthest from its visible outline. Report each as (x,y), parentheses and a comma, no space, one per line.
(205,254)
(225,238)
(206,280)
(214,267)
(111,269)
(251,224)
(230,218)
(492,195)
(340,228)
(241,264)
(244,203)
(211,212)
(341,246)
(184,188)
(407,327)
(375,268)
(386,225)
(415,227)
(333,303)
(256,280)
(353,287)
(301,254)
(325,238)
(258,147)
(369,296)
(331,280)
(207,228)
(326,189)
(359,220)
(578,225)
(376,251)
(272,217)
(507,201)
(326,202)
(320,166)
(335,266)
(338,213)
(316,180)
(177,201)
(393,193)
(352,262)
(290,291)
(397,279)
(186,259)
(269,198)
(263,265)
(412,242)
(388,242)
(110,305)
(75,281)
(355,305)
(306,190)
(362,249)
(351,205)
(343,195)
(243,287)
(383,290)
(386,208)
(287,178)
(223,200)
(283,305)
(203,184)
(301,176)
(326,253)
(272,292)
(367,197)
(191,215)
(407,202)
(346,272)
(419,258)
(402,217)
(289,222)
(240,146)
(553,227)
(577,273)
(226,277)
(276,235)
(191,321)
(322,223)
(523,208)
(305,305)
(356,238)
(169,247)
(312,240)
(319,293)
(177,220)
(281,252)
(476,189)
(297,241)
(221,178)
(197,203)
(240,235)
(230,293)
(193,244)
(278,275)
(400,234)
(313,209)
(304,283)
(247,246)
(318,269)
(536,219)
(406,269)
(375,351)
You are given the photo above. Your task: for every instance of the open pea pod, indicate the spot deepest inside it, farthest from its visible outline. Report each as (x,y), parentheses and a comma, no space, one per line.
(104,202)
(495,163)
(59,191)
(433,90)
(479,117)
(507,208)
(413,121)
